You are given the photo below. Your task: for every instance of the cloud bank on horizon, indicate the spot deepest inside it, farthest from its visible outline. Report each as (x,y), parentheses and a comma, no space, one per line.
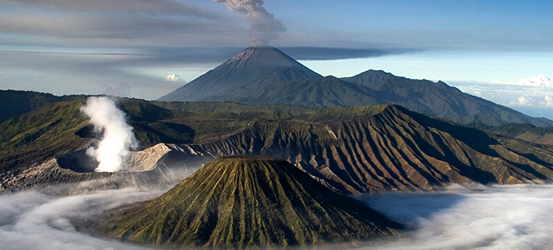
(527,95)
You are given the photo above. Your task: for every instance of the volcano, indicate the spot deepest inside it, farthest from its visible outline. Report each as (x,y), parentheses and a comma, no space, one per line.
(249,70)
(248,202)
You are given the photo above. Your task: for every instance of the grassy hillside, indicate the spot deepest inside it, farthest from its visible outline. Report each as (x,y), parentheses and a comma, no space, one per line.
(247,203)
(526,132)
(14,102)
(353,150)
(41,134)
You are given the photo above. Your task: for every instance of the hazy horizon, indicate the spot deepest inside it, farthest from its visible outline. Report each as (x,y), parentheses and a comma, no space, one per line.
(498,50)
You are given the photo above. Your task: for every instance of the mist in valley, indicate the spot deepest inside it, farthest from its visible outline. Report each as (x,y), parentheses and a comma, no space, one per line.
(496,217)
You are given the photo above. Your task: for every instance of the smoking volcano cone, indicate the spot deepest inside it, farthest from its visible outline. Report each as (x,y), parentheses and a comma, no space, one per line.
(248,202)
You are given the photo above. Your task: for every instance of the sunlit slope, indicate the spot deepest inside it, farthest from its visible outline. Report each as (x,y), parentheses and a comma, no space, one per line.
(394,149)
(353,150)
(248,202)
(16,102)
(40,134)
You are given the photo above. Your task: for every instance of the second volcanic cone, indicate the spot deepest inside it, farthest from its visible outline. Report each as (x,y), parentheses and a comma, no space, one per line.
(248,202)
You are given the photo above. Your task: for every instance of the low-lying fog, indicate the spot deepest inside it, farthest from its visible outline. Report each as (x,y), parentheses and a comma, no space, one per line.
(498,217)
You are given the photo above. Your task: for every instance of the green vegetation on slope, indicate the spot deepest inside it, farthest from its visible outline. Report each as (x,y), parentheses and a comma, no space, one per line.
(15,102)
(523,131)
(227,107)
(41,134)
(353,150)
(245,203)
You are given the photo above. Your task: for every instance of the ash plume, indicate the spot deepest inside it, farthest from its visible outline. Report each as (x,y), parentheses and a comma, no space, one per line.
(264,25)
(112,151)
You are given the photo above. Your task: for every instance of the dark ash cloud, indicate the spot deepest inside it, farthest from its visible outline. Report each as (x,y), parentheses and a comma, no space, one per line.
(265,27)
(119,70)
(323,54)
(135,6)
(117,30)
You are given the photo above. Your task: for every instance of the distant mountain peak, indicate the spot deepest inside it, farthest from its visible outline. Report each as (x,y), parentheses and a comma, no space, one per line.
(261,56)
(250,69)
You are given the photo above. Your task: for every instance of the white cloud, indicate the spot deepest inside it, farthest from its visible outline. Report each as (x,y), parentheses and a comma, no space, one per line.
(33,220)
(536,81)
(172,78)
(498,217)
(522,101)
(547,102)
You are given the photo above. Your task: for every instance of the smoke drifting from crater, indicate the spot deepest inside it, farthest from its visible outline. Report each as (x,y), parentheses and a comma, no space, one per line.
(112,151)
(264,25)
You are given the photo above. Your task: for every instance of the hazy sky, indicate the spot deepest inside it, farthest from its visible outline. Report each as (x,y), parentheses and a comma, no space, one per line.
(497,49)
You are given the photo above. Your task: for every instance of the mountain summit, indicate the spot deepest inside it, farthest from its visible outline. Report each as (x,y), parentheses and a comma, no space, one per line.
(248,71)
(261,57)
(266,75)
(245,202)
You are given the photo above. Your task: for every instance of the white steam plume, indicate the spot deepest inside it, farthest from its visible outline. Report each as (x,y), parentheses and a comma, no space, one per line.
(264,25)
(112,151)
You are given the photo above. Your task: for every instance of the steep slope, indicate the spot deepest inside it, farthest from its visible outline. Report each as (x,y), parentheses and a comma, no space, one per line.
(394,149)
(14,102)
(245,70)
(439,99)
(266,75)
(38,135)
(319,93)
(247,202)
(523,131)
(378,87)
(353,150)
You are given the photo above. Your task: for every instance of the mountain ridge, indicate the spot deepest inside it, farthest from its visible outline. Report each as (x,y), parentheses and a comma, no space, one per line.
(440,100)
(351,150)
(245,79)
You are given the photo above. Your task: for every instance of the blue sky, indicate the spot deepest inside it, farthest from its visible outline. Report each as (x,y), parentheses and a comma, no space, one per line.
(499,50)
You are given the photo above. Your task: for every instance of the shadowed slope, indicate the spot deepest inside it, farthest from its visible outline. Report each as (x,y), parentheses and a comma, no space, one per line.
(248,202)
(439,99)
(17,102)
